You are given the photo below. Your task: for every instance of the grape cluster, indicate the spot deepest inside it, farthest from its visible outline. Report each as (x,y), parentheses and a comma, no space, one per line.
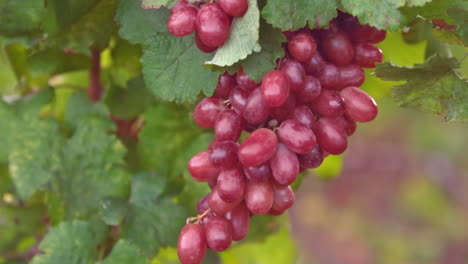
(299,114)
(211,22)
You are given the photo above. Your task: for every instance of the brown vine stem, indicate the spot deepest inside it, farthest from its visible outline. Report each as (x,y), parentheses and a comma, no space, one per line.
(95,87)
(198,218)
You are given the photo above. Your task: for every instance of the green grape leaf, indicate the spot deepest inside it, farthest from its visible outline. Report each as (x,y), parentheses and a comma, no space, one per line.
(79,106)
(296,14)
(125,62)
(31,107)
(54,61)
(125,252)
(21,17)
(431,10)
(434,87)
(94,28)
(7,126)
(62,14)
(417,2)
(172,68)
(127,103)
(155,4)
(92,163)
(34,155)
(113,210)
(459,14)
(243,38)
(69,242)
(383,14)
(260,63)
(153,220)
(138,24)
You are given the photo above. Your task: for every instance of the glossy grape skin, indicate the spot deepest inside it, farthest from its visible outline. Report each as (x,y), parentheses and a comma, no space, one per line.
(295,73)
(304,115)
(207,110)
(258,148)
(259,197)
(378,37)
(351,75)
(338,48)
(224,155)
(367,55)
(315,64)
(256,109)
(231,184)
(302,47)
(258,173)
(234,8)
(225,85)
(191,247)
(244,82)
(329,104)
(311,90)
(218,205)
(218,233)
(284,198)
(275,88)
(179,5)
(201,46)
(331,136)
(284,165)
(201,169)
(212,183)
(296,136)
(359,106)
(329,77)
(238,99)
(282,112)
(239,218)
(203,205)
(312,159)
(348,125)
(182,22)
(228,126)
(212,25)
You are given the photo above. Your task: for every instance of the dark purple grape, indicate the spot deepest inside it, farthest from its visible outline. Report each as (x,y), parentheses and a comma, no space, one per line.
(367,54)
(315,64)
(191,247)
(311,91)
(351,75)
(302,47)
(329,77)
(231,184)
(256,110)
(328,104)
(284,165)
(295,73)
(218,205)
(234,8)
(201,169)
(244,81)
(182,22)
(312,159)
(259,197)
(212,25)
(275,88)
(207,110)
(239,218)
(218,233)
(282,112)
(359,105)
(283,199)
(224,155)
(331,136)
(259,173)
(338,48)
(296,136)
(304,115)
(228,126)
(238,98)
(225,85)
(203,205)
(258,148)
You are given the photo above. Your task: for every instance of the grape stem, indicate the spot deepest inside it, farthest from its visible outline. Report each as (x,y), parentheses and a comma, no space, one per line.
(198,218)
(95,87)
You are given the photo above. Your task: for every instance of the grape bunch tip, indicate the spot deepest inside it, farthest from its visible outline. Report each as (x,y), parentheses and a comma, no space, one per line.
(301,112)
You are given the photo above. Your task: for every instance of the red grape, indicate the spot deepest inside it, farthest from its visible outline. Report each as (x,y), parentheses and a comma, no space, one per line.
(304,115)
(329,104)
(212,25)
(284,165)
(191,247)
(338,48)
(296,136)
(259,173)
(201,169)
(179,5)
(283,199)
(182,22)
(225,85)
(295,72)
(231,184)
(244,81)
(259,197)
(238,99)
(329,77)
(258,148)
(282,112)
(359,105)
(234,8)
(201,46)
(331,136)
(302,47)
(207,110)
(239,217)
(218,233)
(367,55)
(311,91)
(315,64)
(224,155)
(218,205)
(275,88)
(228,126)
(256,110)
(348,125)
(312,159)
(351,75)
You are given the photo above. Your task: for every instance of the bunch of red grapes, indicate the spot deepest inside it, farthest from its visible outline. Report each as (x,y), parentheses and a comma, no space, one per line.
(299,114)
(211,22)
